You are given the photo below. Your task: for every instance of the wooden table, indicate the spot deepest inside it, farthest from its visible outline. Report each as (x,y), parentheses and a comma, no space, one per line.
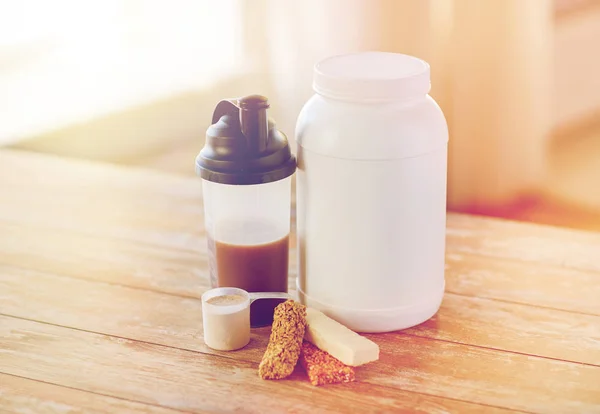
(101,268)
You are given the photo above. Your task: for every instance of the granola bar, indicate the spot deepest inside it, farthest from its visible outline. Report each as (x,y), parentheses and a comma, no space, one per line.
(322,368)
(283,350)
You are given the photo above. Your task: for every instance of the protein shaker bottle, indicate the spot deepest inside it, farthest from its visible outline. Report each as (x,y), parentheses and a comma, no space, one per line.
(246,167)
(371,192)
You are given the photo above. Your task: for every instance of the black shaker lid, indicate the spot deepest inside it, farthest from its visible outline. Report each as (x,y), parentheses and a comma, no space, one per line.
(243,146)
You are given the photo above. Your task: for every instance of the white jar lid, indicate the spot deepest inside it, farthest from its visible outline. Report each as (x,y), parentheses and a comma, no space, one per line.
(371,76)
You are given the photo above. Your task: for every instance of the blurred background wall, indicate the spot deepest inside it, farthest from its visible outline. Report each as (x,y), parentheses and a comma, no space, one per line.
(134,82)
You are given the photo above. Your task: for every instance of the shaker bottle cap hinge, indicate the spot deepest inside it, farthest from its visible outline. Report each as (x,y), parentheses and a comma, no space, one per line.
(243,146)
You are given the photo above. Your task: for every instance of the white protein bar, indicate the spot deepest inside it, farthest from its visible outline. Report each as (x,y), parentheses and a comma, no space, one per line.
(340,342)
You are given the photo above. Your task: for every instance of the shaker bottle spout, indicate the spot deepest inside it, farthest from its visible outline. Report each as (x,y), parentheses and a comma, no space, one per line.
(254,121)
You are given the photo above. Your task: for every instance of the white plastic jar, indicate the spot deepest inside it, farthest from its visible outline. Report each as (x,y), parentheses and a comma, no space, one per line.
(371,192)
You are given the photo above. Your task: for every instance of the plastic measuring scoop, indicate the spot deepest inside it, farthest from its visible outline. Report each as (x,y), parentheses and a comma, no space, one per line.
(226,316)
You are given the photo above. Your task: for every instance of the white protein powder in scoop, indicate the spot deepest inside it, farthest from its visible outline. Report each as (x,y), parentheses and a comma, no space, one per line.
(226,322)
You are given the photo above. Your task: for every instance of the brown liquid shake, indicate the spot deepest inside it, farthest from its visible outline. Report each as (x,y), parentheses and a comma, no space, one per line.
(259,267)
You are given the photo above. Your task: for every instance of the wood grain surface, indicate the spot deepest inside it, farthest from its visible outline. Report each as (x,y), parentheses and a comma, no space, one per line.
(102,267)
